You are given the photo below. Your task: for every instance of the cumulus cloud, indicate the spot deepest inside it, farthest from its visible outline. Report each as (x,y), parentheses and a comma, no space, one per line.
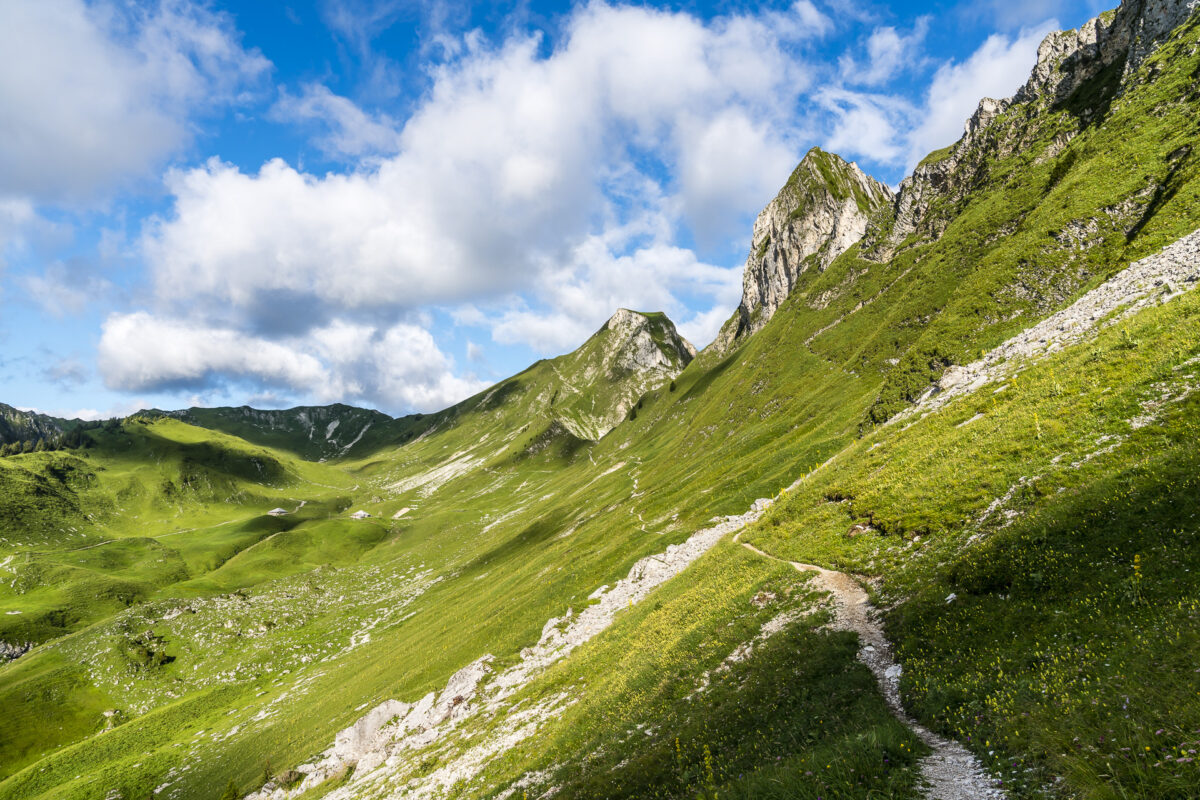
(577,298)
(507,165)
(93,93)
(398,367)
(888,54)
(997,69)
(565,174)
(890,129)
(867,124)
(568,180)
(141,352)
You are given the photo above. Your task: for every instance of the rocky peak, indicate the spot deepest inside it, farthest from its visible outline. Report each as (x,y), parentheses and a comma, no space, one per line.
(599,384)
(642,342)
(1126,36)
(20,426)
(1116,40)
(821,212)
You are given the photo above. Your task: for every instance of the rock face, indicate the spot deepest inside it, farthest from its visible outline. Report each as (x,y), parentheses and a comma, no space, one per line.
(1107,49)
(313,432)
(22,426)
(10,652)
(600,383)
(821,212)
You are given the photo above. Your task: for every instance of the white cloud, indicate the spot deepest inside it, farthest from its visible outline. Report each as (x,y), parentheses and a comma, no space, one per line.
(891,130)
(566,176)
(508,164)
(729,161)
(997,69)
(809,19)
(888,54)
(867,124)
(352,132)
(702,327)
(91,94)
(577,298)
(399,367)
(141,352)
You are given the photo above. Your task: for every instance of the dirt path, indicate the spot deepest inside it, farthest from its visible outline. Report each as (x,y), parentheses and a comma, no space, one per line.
(951,771)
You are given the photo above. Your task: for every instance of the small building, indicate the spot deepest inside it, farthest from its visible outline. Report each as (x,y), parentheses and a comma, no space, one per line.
(360,515)
(277,512)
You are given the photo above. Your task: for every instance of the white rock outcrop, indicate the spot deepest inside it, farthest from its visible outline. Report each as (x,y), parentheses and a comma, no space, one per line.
(601,382)
(821,213)
(1066,60)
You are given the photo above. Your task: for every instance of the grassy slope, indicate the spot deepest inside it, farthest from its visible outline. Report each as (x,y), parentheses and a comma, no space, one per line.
(561,517)
(799,718)
(303,431)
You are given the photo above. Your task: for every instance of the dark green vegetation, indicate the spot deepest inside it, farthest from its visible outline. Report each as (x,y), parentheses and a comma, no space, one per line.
(1036,540)
(27,432)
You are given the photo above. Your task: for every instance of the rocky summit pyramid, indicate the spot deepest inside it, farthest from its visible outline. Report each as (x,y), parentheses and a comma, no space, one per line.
(821,212)
(599,384)
(626,572)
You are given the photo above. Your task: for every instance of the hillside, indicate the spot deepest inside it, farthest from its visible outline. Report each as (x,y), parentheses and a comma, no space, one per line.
(973,404)
(315,433)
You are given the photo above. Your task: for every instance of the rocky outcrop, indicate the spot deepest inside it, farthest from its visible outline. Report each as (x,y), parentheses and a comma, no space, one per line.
(27,426)
(821,212)
(10,652)
(645,343)
(600,384)
(1107,49)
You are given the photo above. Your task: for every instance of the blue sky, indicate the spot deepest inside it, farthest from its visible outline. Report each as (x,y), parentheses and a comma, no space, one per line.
(395,203)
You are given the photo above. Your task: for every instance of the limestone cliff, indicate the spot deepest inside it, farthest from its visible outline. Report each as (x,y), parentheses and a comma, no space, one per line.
(599,384)
(1081,70)
(821,212)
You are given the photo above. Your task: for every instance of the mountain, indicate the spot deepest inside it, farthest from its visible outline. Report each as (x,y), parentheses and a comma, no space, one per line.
(594,580)
(27,426)
(587,392)
(821,212)
(600,383)
(311,432)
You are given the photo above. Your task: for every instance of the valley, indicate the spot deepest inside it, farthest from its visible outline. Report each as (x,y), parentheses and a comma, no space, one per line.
(920,523)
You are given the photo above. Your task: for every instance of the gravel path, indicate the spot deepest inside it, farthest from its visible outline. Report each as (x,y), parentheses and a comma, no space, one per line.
(951,772)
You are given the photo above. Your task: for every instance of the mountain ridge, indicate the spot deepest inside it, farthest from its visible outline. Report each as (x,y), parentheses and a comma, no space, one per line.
(821,211)
(503,621)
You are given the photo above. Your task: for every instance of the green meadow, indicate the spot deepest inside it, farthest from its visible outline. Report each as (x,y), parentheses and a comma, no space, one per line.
(1032,545)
